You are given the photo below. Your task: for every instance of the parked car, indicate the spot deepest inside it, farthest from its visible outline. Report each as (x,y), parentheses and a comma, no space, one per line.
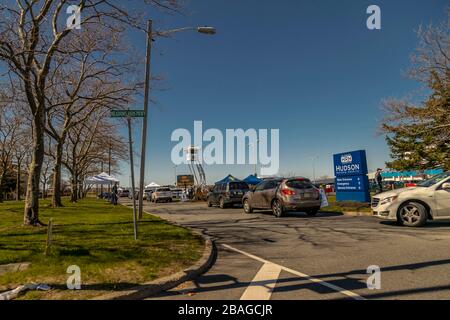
(148,194)
(227,194)
(176,193)
(162,194)
(136,195)
(124,193)
(282,195)
(412,207)
(105,195)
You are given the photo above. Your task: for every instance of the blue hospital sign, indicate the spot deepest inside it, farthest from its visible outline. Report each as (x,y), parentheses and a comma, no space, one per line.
(350,163)
(352,183)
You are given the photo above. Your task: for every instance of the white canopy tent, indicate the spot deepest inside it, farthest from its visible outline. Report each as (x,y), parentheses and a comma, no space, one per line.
(102,179)
(152,185)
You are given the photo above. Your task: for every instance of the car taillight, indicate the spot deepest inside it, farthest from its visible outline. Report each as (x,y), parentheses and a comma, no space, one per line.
(287,192)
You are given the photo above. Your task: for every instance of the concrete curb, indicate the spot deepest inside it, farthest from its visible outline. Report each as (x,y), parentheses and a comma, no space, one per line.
(149,289)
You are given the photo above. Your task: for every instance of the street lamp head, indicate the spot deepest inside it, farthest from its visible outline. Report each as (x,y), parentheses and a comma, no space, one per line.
(207,30)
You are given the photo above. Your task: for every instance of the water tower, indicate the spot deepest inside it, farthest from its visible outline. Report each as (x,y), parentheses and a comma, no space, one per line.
(195,165)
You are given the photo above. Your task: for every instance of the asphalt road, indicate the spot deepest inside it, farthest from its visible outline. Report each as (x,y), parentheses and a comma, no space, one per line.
(325,257)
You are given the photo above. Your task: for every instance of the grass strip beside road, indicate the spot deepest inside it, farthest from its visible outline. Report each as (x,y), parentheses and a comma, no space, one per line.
(98,238)
(347,206)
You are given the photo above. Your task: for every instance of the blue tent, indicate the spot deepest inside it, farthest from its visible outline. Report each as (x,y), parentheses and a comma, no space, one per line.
(252,180)
(227,179)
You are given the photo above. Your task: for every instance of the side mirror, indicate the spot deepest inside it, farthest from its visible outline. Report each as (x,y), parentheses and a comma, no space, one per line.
(446,186)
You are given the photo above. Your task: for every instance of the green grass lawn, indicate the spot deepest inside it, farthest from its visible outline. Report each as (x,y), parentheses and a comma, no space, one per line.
(347,206)
(98,238)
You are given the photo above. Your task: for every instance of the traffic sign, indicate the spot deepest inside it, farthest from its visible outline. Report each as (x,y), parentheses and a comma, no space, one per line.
(127,113)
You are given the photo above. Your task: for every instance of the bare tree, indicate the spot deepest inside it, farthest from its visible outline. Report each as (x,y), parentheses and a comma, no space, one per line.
(32,33)
(46,175)
(86,147)
(12,135)
(22,155)
(88,79)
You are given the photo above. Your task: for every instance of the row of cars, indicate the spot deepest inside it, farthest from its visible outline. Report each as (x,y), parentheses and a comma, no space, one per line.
(161,194)
(278,194)
(410,206)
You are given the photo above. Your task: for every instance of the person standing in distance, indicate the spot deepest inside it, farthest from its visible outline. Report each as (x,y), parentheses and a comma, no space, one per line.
(379,180)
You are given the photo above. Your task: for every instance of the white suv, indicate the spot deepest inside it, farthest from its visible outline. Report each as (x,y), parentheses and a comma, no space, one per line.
(162,194)
(412,207)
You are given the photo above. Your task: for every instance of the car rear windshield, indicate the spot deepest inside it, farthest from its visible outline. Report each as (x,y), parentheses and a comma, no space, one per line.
(163,190)
(299,184)
(238,186)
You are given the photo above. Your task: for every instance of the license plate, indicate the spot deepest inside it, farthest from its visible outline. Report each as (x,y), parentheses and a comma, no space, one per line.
(307,196)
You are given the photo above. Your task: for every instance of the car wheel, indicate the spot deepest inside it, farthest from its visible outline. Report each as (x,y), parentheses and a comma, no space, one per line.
(208,202)
(247,207)
(312,213)
(277,208)
(222,203)
(412,214)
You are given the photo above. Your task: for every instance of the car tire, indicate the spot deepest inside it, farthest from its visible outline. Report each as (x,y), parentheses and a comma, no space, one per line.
(222,203)
(247,207)
(277,208)
(412,214)
(208,202)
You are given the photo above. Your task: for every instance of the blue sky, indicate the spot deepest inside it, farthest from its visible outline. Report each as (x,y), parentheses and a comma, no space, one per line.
(309,68)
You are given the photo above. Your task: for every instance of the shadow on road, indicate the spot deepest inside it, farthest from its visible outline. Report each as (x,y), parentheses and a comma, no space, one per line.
(429,225)
(347,280)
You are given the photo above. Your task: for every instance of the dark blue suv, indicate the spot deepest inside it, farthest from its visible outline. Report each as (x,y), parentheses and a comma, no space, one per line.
(227,194)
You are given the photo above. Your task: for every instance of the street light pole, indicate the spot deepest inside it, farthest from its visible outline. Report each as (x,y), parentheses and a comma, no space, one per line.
(205,30)
(144,125)
(175,168)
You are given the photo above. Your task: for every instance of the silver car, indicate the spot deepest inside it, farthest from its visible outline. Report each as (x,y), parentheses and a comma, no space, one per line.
(162,194)
(283,195)
(412,207)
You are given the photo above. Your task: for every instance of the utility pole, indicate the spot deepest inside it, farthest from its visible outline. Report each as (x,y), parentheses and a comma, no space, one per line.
(144,125)
(175,168)
(314,168)
(130,141)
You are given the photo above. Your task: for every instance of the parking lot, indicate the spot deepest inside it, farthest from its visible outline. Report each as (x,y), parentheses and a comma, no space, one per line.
(322,257)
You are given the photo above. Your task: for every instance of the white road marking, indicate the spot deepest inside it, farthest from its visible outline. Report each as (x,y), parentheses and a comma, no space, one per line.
(343,291)
(263,284)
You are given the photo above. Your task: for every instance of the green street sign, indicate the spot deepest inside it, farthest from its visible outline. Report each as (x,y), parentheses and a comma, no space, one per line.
(127,113)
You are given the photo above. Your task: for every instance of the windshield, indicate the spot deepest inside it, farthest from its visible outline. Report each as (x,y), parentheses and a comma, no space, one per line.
(436,179)
(299,184)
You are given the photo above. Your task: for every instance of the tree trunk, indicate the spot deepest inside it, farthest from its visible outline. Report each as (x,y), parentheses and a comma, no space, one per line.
(74,187)
(2,178)
(31,210)
(56,198)
(18,181)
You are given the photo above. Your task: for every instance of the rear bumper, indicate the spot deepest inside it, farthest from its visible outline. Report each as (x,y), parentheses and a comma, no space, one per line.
(303,205)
